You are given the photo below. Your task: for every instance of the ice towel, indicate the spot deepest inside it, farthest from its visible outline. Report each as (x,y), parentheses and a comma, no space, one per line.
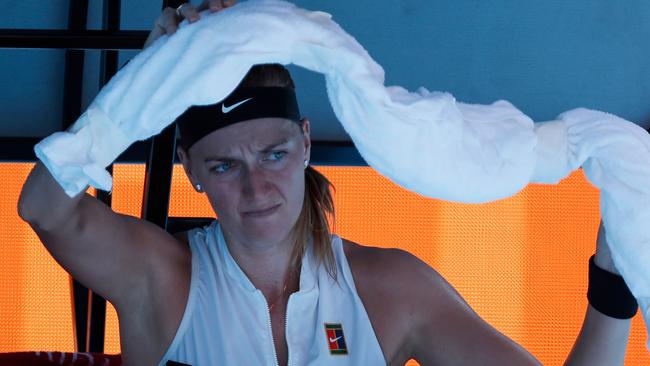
(424,141)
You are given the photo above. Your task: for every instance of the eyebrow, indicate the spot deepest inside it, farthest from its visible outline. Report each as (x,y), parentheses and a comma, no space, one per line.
(264,150)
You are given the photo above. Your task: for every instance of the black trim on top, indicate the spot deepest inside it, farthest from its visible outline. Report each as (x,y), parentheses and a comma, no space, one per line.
(328,153)
(73,39)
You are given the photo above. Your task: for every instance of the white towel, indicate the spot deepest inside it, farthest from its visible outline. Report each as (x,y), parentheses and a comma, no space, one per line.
(424,141)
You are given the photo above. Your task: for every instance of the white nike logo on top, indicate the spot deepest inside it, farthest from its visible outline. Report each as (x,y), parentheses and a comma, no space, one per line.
(335,339)
(225,109)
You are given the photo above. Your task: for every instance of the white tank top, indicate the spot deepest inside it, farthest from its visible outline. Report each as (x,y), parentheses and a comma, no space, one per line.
(227,322)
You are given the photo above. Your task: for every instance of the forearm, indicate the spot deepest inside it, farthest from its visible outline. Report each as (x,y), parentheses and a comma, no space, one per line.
(602,340)
(43,203)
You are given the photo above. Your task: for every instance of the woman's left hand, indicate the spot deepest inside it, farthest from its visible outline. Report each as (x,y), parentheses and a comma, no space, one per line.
(167,22)
(603,258)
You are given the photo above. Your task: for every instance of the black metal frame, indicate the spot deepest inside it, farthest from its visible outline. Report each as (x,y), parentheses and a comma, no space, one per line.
(89,309)
(96,327)
(72,95)
(73,39)
(328,153)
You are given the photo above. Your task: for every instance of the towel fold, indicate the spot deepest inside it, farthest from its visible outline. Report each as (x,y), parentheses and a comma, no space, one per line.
(424,141)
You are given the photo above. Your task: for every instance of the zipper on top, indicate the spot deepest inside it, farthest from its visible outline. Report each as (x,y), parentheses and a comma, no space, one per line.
(286,330)
(268,317)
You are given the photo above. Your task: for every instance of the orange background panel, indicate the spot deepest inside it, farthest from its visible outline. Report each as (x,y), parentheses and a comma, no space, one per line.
(520,262)
(35,301)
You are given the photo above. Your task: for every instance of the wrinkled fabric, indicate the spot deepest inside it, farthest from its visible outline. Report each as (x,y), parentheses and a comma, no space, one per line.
(424,141)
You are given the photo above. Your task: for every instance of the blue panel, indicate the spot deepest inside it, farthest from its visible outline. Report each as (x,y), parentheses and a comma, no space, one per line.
(544,56)
(31,82)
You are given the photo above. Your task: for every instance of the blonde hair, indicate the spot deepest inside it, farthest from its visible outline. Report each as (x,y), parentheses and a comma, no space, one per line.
(315,219)
(317,214)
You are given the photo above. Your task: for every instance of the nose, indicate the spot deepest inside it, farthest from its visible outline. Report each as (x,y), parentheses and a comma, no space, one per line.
(254,183)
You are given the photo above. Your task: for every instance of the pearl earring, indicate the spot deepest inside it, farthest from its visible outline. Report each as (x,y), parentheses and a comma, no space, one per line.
(306,163)
(198,187)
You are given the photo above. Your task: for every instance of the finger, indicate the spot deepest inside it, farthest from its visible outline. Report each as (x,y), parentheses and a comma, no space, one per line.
(155,33)
(188,12)
(215,5)
(166,20)
(228,3)
(171,28)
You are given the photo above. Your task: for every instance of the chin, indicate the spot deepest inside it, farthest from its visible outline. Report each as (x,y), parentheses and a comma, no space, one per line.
(272,228)
(276,225)
(268,233)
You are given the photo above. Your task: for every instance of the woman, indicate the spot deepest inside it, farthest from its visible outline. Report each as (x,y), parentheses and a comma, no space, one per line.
(268,283)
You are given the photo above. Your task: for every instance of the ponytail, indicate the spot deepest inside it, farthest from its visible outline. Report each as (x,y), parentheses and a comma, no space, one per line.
(315,218)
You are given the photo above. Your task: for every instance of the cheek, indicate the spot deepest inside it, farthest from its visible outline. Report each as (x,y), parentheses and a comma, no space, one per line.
(295,188)
(292,177)
(223,198)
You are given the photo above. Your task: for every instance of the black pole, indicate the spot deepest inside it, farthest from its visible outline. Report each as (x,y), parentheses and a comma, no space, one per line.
(80,39)
(72,88)
(108,68)
(159,168)
(158,177)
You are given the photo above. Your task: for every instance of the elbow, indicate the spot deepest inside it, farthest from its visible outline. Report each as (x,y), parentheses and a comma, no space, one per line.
(30,215)
(23,208)
(42,202)
(30,210)
(40,220)
(26,211)
(37,206)
(26,199)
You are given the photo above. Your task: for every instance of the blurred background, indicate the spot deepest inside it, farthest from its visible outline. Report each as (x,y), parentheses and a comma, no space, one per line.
(520,262)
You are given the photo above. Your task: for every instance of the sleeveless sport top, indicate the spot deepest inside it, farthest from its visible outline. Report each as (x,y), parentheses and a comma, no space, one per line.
(227,321)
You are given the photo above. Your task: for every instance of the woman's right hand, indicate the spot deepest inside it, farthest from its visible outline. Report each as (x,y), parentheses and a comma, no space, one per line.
(167,22)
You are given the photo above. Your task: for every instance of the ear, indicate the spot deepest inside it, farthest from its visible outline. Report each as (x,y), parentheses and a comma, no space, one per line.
(306,138)
(184,157)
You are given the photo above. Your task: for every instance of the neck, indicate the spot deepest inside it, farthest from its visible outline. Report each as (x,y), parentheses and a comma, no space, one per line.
(267,265)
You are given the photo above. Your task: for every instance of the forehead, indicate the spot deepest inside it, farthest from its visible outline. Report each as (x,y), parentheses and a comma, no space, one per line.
(255,133)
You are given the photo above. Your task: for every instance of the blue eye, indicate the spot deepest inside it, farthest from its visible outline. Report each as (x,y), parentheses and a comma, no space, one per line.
(277,155)
(221,168)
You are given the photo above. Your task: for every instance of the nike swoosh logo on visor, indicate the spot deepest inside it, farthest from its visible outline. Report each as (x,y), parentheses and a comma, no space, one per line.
(335,339)
(225,109)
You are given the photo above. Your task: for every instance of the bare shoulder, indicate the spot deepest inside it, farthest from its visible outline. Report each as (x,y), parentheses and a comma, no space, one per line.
(388,264)
(400,279)
(417,314)
(393,279)
(392,284)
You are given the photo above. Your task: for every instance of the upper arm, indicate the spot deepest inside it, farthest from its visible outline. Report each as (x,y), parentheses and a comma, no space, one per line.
(448,331)
(115,255)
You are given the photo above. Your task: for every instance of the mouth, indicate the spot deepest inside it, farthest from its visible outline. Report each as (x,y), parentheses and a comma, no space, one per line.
(261,213)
